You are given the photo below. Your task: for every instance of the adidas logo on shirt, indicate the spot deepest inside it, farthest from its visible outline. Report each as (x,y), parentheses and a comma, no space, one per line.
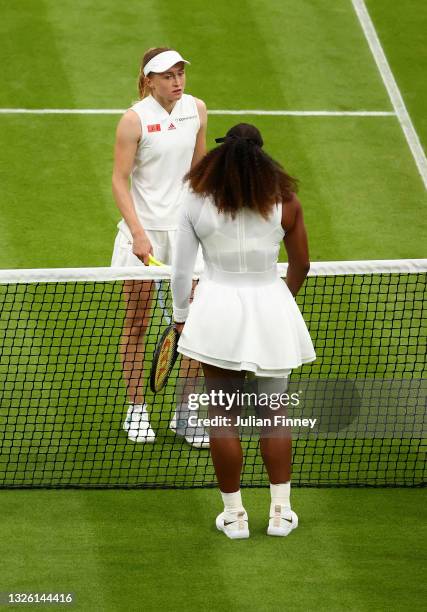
(171,127)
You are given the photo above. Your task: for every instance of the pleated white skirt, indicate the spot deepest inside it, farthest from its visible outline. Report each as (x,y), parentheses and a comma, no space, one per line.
(246,321)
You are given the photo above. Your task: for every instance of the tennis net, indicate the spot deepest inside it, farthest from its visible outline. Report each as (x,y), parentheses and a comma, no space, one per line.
(63,399)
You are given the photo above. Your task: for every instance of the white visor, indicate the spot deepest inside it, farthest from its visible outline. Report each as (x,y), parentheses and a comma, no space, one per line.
(163,61)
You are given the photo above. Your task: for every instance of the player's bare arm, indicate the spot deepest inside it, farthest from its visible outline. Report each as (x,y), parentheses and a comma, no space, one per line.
(200,147)
(296,244)
(128,136)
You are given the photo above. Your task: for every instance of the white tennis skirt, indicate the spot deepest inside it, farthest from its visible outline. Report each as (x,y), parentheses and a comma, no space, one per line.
(163,243)
(246,321)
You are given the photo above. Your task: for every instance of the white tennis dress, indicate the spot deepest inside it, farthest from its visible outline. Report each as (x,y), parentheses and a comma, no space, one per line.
(243,316)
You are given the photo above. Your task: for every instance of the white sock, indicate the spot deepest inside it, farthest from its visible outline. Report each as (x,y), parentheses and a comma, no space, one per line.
(232,502)
(281,494)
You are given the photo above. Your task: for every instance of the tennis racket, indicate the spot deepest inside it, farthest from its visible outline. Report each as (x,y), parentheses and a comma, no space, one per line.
(162,290)
(153,261)
(166,352)
(164,359)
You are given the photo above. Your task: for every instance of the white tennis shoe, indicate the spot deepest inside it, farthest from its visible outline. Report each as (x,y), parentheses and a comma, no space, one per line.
(194,435)
(137,424)
(282,521)
(233,524)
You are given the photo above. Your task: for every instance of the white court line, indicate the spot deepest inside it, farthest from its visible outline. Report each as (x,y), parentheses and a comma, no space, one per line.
(392,88)
(274,113)
(282,113)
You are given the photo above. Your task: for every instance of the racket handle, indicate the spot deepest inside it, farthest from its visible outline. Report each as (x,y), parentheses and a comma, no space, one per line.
(154,262)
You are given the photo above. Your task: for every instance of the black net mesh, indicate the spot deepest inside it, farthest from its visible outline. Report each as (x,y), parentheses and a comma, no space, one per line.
(63,393)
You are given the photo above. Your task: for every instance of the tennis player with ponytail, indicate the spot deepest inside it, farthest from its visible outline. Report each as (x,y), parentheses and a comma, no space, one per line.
(243,318)
(158,140)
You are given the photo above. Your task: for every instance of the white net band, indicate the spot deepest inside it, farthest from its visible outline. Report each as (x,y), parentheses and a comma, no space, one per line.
(319,268)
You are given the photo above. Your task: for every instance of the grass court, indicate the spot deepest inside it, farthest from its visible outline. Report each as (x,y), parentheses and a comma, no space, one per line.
(363,198)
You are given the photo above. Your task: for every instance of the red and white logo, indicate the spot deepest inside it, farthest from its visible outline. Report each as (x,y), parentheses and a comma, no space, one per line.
(171,127)
(154,127)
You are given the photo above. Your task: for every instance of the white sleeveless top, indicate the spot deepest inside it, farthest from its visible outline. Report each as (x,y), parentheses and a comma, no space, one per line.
(162,159)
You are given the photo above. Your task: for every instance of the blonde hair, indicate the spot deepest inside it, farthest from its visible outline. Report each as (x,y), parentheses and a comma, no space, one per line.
(143,89)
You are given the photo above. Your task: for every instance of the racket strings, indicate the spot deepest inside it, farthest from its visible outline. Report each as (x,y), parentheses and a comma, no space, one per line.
(165,358)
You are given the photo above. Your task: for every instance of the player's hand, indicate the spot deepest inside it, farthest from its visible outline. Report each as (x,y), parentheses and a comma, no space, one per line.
(179,327)
(142,248)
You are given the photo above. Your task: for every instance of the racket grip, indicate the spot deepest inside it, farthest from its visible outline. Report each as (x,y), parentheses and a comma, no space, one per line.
(154,262)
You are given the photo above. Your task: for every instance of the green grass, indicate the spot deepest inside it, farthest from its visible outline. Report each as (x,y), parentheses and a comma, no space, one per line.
(363,199)
(159,550)
(359,184)
(401,26)
(268,56)
(353,196)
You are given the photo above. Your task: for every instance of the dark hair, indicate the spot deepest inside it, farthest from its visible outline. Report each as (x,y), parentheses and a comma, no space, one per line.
(143,88)
(239,174)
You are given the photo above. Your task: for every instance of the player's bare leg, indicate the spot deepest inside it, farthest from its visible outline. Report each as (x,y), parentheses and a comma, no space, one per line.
(190,381)
(276,452)
(226,451)
(137,296)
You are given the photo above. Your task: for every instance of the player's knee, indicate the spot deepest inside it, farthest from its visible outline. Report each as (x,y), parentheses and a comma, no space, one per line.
(223,433)
(269,385)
